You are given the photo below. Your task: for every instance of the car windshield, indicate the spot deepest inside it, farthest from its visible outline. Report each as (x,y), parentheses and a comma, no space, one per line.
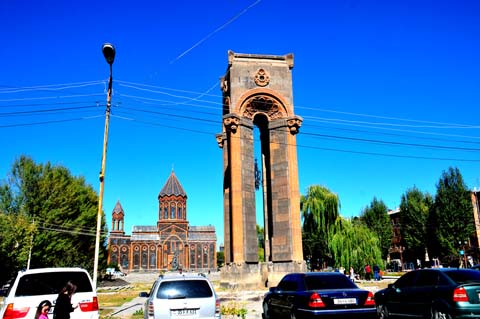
(51,283)
(464,276)
(328,282)
(184,289)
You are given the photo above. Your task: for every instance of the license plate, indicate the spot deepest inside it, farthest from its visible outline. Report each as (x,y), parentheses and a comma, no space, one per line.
(345,301)
(183,314)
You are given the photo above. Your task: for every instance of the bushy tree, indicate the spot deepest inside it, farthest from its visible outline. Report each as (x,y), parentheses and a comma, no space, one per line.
(320,214)
(451,219)
(355,245)
(60,211)
(376,218)
(414,210)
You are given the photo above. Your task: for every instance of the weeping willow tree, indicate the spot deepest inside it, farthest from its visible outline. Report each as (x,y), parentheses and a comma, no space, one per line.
(321,220)
(353,244)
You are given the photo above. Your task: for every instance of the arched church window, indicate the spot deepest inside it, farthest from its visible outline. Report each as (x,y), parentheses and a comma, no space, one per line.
(180,212)
(153,260)
(144,260)
(165,212)
(172,210)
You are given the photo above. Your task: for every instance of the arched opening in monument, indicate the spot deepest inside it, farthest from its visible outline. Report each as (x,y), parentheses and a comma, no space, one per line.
(263,180)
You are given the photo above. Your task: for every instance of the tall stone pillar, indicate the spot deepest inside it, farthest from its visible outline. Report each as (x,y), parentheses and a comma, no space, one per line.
(257,92)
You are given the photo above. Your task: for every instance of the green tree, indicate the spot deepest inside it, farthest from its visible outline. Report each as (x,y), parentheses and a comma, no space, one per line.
(60,211)
(320,214)
(261,243)
(414,210)
(355,245)
(220,258)
(375,217)
(451,217)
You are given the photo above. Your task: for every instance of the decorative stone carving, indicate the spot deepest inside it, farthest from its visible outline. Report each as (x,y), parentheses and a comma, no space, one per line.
(226,105)
(223,84)
(262,78)
(263,104)
(220,140)
(294,124)
(231,123)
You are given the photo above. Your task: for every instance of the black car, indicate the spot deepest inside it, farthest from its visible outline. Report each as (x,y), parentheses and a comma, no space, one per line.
(318,295)
(432,293)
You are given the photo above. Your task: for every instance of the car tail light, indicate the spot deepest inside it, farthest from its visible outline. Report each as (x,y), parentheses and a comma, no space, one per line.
(315,301)
(89,306)
(151,310)
(460,294)
(217,308)
(13,313)
(370,299)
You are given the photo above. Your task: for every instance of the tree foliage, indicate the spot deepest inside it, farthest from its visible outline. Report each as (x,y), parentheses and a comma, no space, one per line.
(355,245)
(57,214)
(414,211)
(376,218)
(451,219)
(321,220)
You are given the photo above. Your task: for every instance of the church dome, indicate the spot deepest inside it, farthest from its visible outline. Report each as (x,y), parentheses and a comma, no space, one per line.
(172,187)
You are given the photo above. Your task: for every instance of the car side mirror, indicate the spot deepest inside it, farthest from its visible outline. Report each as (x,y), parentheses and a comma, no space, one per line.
(272,289)
(143,294)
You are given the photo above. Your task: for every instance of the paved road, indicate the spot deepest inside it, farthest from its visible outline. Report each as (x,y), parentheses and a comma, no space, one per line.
(252,300)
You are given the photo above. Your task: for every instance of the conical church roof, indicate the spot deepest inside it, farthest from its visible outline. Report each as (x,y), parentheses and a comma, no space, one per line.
(172,187)
(118,208)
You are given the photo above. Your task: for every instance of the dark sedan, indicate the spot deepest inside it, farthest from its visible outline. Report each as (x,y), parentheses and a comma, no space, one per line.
(432,293)
(318,295)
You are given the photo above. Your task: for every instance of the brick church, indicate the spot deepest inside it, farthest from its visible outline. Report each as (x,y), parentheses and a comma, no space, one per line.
(170,245)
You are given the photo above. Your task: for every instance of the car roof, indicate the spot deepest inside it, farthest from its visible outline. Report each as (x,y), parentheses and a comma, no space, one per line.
(182,276)
(50,269)
(446,269)
(317,273)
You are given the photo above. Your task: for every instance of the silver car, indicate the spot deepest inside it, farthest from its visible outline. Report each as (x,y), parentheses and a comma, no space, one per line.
(185,296)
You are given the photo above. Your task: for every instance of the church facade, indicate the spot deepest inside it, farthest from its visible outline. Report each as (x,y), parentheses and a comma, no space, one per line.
(172,244)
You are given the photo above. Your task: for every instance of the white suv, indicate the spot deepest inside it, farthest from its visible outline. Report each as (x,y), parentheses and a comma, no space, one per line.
(35,285)
(183,296)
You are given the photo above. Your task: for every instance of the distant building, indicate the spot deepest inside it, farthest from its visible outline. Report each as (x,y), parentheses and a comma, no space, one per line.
(398,245)
(170,245)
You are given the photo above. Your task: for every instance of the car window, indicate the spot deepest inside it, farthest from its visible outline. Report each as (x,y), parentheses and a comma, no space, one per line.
(184,289)
(427,278)
(328,282)
(51,283)
(288,283)
(464,276)
(406,280)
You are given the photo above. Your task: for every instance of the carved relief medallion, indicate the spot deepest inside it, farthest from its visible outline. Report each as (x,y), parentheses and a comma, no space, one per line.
(262,78)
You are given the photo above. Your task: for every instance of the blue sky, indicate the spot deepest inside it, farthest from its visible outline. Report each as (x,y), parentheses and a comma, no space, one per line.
(388,90)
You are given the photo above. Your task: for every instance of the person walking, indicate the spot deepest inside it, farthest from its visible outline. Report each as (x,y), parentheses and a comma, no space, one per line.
(42,310)
(63,305)
(352,274)
(376,272)
(368,272)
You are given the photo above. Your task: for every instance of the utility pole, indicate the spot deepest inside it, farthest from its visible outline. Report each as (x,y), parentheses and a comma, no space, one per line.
(109,53)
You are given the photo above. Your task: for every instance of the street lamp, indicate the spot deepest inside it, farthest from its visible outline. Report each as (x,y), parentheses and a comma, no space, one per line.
(109,54)
(463,252)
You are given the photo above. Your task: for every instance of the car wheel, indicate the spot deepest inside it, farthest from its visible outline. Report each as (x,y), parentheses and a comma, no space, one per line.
(265,314)
(382,312)
(440,314)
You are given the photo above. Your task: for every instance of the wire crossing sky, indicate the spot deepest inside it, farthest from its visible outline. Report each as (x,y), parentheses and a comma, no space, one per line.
(388,93)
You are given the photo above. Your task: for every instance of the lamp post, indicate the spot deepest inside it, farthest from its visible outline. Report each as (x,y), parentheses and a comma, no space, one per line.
(109,54)
(463,252)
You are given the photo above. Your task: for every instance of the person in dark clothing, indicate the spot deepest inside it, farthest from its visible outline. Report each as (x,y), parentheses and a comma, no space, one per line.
(63,305)
(376,272)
